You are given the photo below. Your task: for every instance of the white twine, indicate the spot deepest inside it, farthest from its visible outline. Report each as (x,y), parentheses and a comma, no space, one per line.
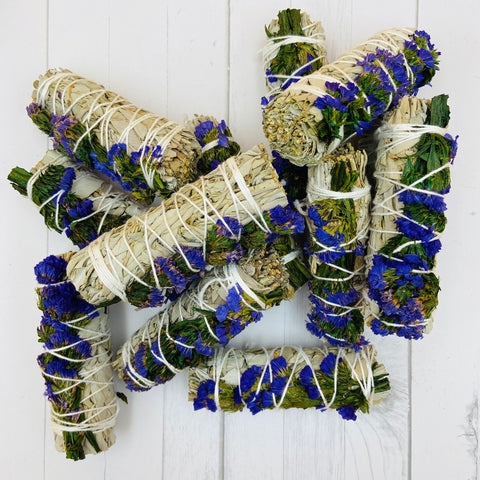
(314,191)
(291,256)
(104,263)
(361,360)
(399,133)
(161,135)
(213,144)
(89,370)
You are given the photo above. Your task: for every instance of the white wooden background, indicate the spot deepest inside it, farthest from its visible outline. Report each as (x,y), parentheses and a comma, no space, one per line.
(178,58)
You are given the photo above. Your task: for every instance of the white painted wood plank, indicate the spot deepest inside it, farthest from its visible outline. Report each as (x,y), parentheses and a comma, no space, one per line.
(446,364)
(122,45)
(139,428)
(197,59)
(21,384)
(78,37)
(370,16)
(253,444)
(77,40)
(137,68)
(314,442)
(337,20)
(197,84)
(378,444)
(247,37)
(138,46)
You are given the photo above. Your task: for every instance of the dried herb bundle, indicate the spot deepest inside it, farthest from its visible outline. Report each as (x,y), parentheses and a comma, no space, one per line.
(144,153)
(289,377)
(322,110)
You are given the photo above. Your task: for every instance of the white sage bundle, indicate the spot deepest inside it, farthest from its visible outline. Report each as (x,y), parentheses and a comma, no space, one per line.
(289,377)
(76,364)
(413,176)
(144,153)
(199,216)
(322,110)
(338,217)
(214,310)
(72,199)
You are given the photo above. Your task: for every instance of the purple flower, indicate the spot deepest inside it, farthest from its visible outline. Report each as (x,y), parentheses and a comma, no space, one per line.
(33,109)
(203,129)
(432,247)
(51,270)
(202,348)
(204,398)
(307,381)
(140,361)
(332,102)
(81,209)
(270,77)
(426,57)
(234,299)
(237,398)
(347,413)
(236,327)
(155,298)
(454,147)
(235,254)
(195,257)
(315,216)
(229,227)
(67,179)
(167,267)
(277,386)
(278,365)
(181,344)
(221,313)
(117,149)
(328,364)
(249,377)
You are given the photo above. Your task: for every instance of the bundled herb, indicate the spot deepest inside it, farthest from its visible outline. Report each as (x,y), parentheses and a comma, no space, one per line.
(413,177)
(296,47)
(207,218)
(322,110)
(71,199)
(214,310)
(144,153)
(75,364)
(289,377)
(338,199)
(174,273)
(216,141)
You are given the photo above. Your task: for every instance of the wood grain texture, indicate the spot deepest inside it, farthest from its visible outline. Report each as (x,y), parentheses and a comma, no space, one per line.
(310,431)
(69,50)
(260,440)
(445,378)
(21,386)
(181,58)
(197,83)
